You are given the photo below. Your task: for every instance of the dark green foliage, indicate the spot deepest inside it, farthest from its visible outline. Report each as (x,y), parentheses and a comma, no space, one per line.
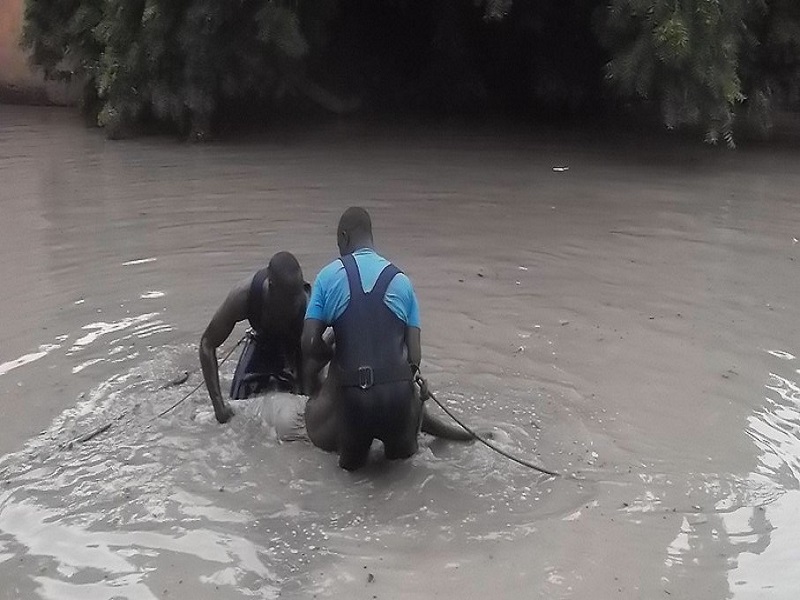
(703,61)
(780,54)
(60,35)
(176,61)
(772,71)
(683,55)
(192,63)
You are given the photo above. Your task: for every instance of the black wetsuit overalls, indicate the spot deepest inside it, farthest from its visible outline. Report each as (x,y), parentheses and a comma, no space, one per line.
(267,362)
(376,392)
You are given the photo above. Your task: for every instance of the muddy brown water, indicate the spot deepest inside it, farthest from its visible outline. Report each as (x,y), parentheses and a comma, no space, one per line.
(632,319)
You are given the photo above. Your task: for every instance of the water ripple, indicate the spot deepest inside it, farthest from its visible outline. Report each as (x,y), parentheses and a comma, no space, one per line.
(775,429)
(238,510)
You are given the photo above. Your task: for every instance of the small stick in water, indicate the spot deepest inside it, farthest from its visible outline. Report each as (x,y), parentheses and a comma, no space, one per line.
(91,434)
(176,381)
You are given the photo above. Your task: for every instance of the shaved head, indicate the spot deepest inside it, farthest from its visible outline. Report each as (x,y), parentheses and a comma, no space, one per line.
(354,231)
(284,271)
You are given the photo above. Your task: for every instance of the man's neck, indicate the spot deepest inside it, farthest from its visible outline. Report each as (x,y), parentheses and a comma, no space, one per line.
(363,246)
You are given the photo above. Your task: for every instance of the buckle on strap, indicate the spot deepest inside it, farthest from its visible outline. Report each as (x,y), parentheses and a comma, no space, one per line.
(366,377)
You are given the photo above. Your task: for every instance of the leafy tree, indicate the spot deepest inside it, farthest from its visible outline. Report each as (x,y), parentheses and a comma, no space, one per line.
(192,63)
(60,35)
(178,61)
(771,73)
(682,54)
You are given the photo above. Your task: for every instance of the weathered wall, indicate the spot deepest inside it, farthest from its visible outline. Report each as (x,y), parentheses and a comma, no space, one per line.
(13,63)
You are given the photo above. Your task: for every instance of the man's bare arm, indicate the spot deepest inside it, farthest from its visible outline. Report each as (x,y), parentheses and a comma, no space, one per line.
(316,354)
(433,425)
(413,346)
(430,424)
(233,310)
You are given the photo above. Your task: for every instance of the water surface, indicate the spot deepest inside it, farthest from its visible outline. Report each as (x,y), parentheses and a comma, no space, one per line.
(631,319)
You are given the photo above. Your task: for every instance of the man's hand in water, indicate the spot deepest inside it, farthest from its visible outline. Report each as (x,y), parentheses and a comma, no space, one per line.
(223,412)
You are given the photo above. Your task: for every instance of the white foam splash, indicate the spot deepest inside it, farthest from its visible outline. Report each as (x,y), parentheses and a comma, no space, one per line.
(25,359)
(88,363)
(152,295)
(102,328)
(138,261)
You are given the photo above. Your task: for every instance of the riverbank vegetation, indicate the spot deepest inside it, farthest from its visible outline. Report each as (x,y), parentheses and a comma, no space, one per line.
(708,65)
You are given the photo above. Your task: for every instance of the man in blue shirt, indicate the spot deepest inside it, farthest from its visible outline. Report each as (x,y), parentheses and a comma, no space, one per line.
(369,389)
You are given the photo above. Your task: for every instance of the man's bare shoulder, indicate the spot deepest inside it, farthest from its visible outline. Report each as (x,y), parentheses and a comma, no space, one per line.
(235,305)
(242,287)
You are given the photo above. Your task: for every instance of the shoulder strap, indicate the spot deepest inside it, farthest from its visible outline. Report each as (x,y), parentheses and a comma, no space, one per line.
(255,299)
(384,279)
(353,276)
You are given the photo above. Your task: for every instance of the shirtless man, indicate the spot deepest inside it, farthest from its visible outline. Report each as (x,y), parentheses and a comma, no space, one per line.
(369,390)
(274,301)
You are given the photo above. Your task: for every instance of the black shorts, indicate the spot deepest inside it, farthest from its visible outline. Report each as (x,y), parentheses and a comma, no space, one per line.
(262,367)
(390,412)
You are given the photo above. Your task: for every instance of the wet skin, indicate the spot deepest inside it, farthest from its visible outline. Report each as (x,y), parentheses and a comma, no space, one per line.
(282,314)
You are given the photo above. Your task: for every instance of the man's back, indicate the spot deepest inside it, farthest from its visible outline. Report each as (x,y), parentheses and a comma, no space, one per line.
(331,292)
(368,302)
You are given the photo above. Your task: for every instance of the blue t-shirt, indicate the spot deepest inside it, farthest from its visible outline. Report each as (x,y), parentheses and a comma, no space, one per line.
(331,292)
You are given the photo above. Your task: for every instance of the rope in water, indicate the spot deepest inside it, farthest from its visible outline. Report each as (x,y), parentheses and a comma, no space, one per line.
(105,427)
(481,439)
(197,387)
(525,463)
